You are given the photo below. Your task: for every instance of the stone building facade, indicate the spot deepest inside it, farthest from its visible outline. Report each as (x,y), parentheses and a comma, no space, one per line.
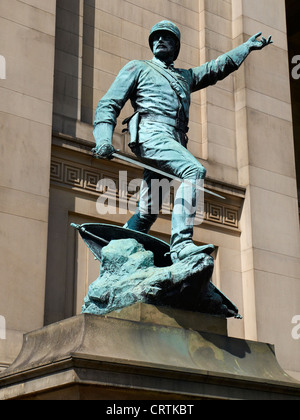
(61,57)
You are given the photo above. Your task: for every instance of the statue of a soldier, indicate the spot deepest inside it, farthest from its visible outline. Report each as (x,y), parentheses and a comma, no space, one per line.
(160,95)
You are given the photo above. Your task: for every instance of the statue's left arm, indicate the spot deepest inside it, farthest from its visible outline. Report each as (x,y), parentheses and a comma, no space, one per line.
(216,70)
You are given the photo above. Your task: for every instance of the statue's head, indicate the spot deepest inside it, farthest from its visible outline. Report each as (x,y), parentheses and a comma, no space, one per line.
(170,31)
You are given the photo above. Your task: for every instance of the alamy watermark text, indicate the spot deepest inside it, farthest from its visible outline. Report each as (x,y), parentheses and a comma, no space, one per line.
(2,328)
(296,329)
(296,69)
(123,196)
(2,67)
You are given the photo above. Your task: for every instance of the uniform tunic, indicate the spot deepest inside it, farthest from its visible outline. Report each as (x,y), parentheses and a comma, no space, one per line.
(150,93)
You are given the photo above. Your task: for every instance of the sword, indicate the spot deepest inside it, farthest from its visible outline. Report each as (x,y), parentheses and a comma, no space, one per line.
(165,174)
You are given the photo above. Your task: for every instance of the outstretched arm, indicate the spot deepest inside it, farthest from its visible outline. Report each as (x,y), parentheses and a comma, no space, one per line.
(216,70)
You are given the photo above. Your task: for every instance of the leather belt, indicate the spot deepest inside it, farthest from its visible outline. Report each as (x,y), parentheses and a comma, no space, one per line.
(174,122)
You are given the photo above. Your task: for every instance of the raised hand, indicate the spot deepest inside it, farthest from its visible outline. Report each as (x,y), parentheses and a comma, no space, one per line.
(255,44)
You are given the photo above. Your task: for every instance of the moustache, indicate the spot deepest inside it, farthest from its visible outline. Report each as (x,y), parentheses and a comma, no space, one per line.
(161,44)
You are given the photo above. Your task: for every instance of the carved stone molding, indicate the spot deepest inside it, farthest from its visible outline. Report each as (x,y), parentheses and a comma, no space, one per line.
(79,177)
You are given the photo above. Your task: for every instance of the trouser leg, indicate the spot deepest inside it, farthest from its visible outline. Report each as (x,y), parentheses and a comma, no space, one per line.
(186,204)
(168,155)
(150,203)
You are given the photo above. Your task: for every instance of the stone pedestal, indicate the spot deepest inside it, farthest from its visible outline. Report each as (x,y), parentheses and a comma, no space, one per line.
(156,353)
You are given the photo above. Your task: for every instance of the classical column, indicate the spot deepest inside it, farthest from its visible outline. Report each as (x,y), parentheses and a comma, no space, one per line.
(266,165)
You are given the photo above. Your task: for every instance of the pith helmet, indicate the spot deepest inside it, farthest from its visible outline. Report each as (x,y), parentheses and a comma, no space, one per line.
(166,25)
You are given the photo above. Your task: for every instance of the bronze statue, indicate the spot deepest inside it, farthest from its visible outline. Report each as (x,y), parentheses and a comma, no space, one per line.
(160,95)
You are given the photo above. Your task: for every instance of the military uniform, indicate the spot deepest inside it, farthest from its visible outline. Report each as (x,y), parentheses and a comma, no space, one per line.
(161,96)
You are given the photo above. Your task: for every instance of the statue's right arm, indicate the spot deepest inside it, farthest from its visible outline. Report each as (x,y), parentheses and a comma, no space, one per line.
(110,106)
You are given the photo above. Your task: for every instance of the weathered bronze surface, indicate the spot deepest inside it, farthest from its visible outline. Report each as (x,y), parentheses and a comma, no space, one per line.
(160,95)
(136,267)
